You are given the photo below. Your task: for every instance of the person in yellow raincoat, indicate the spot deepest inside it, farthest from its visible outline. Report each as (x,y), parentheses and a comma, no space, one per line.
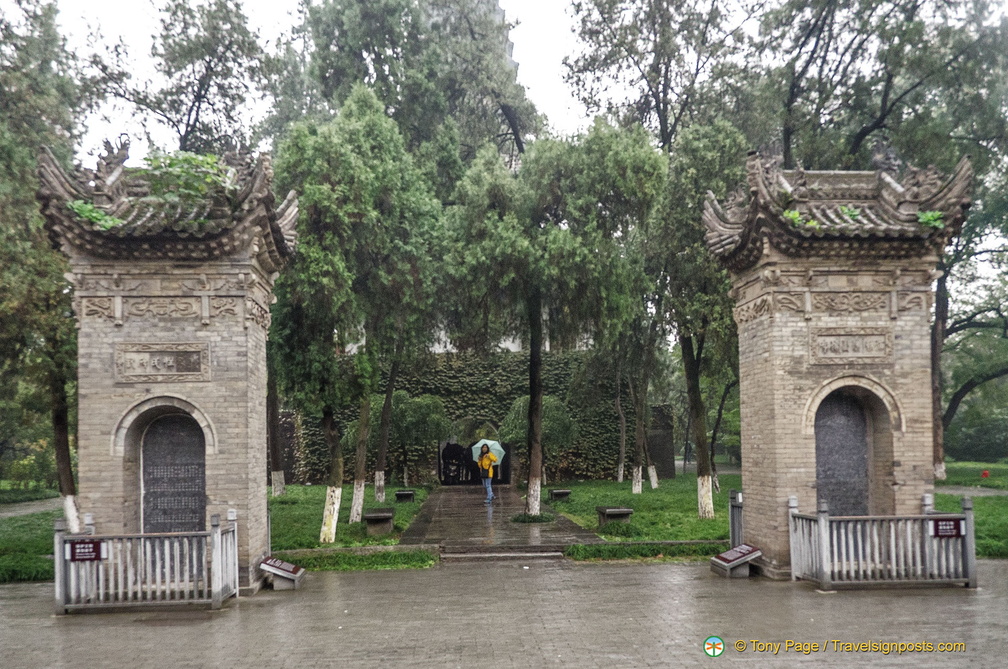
(486,462)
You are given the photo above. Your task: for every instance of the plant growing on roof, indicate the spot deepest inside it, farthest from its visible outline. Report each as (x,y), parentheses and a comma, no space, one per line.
(850,212)
(795,218)
(931,219)
(185,176)
(89,212)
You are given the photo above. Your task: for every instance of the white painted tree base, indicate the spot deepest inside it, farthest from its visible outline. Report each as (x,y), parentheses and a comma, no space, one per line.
(939,471)
(357,502)
(619,474)
(330,516)
(705,497)
(279,485)
(652,476)
(638,481)
(379,486)
(71,514)
(534,496)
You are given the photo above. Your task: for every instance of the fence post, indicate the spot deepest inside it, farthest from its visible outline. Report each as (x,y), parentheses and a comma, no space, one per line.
(927,503)
(793,540)
(969,544)
(825,566)
(734,526)
(59,564)
(216,562)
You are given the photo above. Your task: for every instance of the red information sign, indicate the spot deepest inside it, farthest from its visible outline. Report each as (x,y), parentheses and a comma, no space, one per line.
(84,550)
(947,527)
(738,555)
(281,568)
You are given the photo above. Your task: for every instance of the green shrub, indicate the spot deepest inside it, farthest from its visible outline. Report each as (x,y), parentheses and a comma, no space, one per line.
(325,561)
(533,518)
(616,528)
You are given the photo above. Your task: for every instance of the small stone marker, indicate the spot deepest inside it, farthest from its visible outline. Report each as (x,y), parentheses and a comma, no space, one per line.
(559,493)
(379,521)
(734,563)
(607,513)
(290,575)
(404,495)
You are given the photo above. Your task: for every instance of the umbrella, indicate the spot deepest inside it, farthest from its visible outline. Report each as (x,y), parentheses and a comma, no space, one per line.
(495,448)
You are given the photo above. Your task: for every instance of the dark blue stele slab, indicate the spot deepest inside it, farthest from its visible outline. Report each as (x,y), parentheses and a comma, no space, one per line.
(734,563)
(290,575)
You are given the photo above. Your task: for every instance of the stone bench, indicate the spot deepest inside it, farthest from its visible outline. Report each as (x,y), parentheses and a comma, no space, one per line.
(379,521)
(559,494)
(404,495)
(608,513)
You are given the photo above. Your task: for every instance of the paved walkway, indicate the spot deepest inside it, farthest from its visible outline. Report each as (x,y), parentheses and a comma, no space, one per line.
(24,508)
(515,614)
(456,518)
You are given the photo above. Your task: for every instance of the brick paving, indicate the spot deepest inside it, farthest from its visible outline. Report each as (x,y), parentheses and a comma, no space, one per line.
(514,614)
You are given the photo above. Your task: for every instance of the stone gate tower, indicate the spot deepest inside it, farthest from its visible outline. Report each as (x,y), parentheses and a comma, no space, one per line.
(172,303)
(832,275)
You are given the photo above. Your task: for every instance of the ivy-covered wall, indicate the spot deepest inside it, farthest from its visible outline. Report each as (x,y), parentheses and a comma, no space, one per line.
(484,388)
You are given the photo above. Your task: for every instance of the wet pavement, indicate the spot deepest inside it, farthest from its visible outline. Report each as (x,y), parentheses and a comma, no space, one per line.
(523,612)
(456,518)
(514,614)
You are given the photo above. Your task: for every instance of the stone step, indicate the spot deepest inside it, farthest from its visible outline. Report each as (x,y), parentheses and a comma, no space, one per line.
(508,555)
(474,549)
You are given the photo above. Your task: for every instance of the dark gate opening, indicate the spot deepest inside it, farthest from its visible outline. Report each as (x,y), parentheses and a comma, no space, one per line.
(173,460)
(456,466)
(841,434)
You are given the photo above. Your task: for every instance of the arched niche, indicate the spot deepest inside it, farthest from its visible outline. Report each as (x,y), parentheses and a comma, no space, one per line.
(853,429)
(127,443)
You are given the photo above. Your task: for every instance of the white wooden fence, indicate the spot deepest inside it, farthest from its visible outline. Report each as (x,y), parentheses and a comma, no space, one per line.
(109,571)
(855,551)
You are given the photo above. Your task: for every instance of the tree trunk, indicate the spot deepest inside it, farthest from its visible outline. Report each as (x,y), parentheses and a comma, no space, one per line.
(640,434)
(691,368)
(937,343)
(621,462)
(714,432)
(273,436)
(360,464)
(535,403)
(334,489)
(61,444)
(384,427)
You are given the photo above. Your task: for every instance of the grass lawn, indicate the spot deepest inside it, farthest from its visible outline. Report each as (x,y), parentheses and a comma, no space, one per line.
(296,517)
(324,561)
(11,495)
(668,513)
(25,543)
(968,474)
(991,518)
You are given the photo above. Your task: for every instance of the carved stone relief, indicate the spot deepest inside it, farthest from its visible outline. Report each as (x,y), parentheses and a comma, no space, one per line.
(832,346)
(255,313)
(850,302)
(753,310)
(159,363)
(96,307)
(912,302)
(164,307)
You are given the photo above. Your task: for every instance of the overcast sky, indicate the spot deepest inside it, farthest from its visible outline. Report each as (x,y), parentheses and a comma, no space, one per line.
(541,40)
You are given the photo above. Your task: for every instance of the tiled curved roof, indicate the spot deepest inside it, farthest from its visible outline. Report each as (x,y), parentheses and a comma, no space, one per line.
(852,214)
(153,228)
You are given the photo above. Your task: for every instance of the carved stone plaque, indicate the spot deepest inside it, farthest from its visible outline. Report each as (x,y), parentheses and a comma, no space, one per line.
(174,475)
(145,363)
(833,346)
